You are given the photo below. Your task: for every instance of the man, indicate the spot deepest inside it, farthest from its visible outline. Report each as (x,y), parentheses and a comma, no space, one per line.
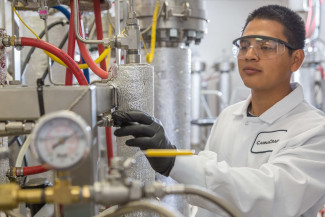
(266,155)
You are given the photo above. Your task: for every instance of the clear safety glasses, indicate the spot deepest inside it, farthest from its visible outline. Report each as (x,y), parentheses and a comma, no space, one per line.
(264,47)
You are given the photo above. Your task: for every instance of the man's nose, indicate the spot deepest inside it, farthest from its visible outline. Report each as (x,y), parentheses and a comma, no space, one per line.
(251,53)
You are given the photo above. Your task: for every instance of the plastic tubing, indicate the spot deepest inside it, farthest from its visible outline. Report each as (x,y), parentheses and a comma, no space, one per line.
(59,53)
(34,170)
(22,152)
(84,52)
(150,56)
(99,30)
(71,50)
(204,193)
(140,205)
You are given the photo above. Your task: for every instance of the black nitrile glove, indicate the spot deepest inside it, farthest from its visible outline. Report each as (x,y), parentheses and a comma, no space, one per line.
(148,133)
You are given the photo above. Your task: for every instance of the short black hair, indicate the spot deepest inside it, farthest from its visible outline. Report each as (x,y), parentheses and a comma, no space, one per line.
(294,26)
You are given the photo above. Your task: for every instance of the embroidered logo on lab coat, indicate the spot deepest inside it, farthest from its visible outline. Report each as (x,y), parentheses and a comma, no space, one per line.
(266,141)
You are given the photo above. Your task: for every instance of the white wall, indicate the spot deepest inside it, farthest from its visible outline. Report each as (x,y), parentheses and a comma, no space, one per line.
(227,18)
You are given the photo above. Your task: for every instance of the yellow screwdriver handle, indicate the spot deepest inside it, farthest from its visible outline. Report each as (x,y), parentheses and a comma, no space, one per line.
(167,152)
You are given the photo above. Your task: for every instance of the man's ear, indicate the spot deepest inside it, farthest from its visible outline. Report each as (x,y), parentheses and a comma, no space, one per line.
(297,57)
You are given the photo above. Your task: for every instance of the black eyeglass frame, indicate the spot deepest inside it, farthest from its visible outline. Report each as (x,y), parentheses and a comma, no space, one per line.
(265,37)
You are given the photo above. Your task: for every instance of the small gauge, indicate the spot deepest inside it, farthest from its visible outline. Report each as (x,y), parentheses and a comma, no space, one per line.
(61,139)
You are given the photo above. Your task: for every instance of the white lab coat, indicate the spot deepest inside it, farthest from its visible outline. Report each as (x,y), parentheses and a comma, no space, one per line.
(271,165)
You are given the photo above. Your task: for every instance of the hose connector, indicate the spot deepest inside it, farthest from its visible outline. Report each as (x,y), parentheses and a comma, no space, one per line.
(9,41)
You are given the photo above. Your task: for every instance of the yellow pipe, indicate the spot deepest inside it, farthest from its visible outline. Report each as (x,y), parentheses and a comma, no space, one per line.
(167,152)
(150,56)
(53,57)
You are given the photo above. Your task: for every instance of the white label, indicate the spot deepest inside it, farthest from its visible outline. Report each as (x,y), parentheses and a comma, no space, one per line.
(266,141)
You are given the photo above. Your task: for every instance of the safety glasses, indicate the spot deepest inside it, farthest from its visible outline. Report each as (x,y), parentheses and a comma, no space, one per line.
(264,47)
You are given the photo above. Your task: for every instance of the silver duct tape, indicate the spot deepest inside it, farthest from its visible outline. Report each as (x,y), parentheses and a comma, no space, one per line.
(4,164)
(173,105)
(134,84)
(3,64)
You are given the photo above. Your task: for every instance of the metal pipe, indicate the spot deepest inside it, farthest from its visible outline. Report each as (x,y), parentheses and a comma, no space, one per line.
(140,205)
(125,13)
(117,30)
(76,27)
(204,193)
(3,14)
(316,30)
(132,6)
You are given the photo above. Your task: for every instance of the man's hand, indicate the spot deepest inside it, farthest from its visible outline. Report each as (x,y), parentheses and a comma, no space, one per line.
(148,133)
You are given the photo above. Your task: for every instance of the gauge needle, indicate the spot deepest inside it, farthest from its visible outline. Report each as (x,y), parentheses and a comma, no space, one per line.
(61,141)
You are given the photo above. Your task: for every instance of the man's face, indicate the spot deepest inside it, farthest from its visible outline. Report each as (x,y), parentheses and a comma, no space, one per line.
(265,74)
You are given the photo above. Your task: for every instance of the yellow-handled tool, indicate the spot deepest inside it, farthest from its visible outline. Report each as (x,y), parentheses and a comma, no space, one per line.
(167,152)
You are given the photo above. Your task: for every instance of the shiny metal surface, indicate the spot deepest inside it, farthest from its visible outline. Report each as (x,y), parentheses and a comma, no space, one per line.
(134,84)
(27,96)
(4,163)
(179,22)
(23,105)
(173,105)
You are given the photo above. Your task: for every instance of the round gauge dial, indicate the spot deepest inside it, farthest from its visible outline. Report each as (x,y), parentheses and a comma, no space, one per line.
(61,139)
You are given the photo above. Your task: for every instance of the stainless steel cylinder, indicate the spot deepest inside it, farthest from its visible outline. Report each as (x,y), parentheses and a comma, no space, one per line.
(179,22)
(173,105)
(134,84)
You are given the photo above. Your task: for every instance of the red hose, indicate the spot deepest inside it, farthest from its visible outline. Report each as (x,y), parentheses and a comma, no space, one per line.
(71,48)
(109,144)
(92,65)
(34,170)
(99,31)
(59,53)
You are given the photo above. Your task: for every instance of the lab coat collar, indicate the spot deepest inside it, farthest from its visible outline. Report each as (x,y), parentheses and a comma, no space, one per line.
(279,109)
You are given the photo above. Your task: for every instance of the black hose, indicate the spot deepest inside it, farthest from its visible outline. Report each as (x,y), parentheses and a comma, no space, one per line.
(31,51)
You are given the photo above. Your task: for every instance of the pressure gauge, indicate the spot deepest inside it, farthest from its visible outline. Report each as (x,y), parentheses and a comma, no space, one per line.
(61,139)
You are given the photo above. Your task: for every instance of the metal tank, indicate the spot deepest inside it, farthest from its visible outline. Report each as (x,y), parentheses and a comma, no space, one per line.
(180,21)
(179,24)
(173,105)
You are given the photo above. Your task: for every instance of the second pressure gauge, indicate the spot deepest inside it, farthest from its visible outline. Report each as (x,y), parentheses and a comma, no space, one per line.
(61,139)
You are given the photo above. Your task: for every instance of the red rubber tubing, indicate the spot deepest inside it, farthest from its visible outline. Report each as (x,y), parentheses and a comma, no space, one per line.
(71,49)
(58,53)
(34,170)
(109,144)
(99,31)
(90,62)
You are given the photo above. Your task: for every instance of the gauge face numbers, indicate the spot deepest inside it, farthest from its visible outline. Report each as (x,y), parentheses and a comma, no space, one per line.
(62,142)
